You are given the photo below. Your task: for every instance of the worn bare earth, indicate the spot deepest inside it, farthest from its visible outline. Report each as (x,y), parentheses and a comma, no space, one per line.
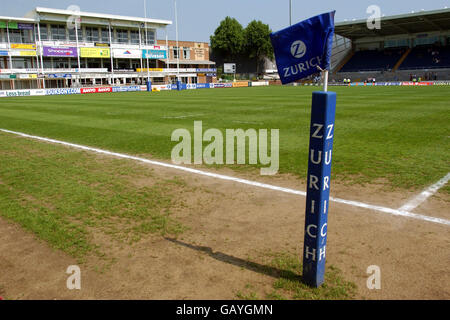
(231,224)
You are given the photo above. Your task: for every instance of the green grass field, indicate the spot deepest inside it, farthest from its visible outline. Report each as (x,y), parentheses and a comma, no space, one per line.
(91,206)
(399,135)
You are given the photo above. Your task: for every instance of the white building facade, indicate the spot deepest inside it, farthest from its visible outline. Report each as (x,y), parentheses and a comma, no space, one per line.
(53,48)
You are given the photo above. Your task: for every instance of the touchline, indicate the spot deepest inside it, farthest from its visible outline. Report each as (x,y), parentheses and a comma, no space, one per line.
(234,144)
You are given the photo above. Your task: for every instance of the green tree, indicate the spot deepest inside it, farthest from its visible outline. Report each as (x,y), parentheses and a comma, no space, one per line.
(257,42)
(228,39)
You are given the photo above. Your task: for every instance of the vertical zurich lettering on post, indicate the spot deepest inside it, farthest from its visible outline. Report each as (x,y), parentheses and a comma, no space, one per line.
(318,184)
(301,51)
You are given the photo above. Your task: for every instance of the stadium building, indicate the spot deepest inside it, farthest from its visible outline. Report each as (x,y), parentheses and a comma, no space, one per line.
(44,49)
(409,47)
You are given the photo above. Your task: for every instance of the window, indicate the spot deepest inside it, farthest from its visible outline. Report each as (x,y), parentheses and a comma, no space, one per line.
(105,35)
(134,36)
(20,36)
(151,37)
(60,63)
(73,34)
(92,35)
(20,63)
(148,37)
(175,52)
(74,63)
(122,36)
(44,31)
(93,63)
(58,32)
(187,53)
(47,63)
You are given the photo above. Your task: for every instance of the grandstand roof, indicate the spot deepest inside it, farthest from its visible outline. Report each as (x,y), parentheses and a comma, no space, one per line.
(422,21)
(38,10)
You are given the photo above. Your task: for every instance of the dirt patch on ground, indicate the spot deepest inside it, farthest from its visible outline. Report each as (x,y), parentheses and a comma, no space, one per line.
(230,227)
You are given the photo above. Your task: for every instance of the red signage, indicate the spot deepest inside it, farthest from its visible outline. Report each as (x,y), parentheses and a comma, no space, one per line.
(96,90)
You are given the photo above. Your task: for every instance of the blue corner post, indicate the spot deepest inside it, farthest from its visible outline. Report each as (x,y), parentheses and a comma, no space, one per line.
(149,85)
(318,187)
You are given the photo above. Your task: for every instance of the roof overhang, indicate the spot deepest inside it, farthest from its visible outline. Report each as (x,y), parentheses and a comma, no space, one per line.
(67,13)
(190,62)
(29,20)
(412,23)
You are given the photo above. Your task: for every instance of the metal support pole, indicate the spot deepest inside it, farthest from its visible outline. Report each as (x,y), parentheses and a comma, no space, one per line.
(111,53)
(42,54)
(290,12)
(178,48)
(146,41)
(78,51)
(10,57)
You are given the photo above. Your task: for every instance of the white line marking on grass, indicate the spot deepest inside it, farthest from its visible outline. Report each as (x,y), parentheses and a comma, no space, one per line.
(422,197)
(186,116)
(234,179)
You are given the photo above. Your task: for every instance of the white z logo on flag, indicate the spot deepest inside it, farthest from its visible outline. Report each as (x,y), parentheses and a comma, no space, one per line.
(298,49)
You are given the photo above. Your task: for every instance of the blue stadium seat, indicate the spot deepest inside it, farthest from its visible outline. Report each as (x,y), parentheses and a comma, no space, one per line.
(373,60)
(427,57)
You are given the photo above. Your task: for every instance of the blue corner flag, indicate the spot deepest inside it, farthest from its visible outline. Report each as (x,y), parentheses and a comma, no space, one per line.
(299,49)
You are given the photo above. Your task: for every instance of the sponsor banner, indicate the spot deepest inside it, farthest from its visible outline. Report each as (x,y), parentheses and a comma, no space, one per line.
(211,74)
(18,93)
(206,70)
(96,90)
(2,25)
(25,26)
(99,44)
(50,92)
(59,75)
(191,86)
(240,84)
(23,46)
(425,83)
(203,86)
(259,84)
(128,88)
(386,84)
(13,25)
(22,53)
(127,54)
(442,83)
(22,93)
(95,53)
(149,69)
(162,87)
(4,53)
(154,54)
(60,52)
(27,76)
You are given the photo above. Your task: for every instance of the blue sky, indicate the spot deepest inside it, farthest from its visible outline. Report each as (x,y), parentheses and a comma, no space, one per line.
(199,18)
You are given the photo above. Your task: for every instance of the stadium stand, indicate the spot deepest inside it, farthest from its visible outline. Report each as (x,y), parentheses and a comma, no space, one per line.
(427,57)
(407,47)
(373,60)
